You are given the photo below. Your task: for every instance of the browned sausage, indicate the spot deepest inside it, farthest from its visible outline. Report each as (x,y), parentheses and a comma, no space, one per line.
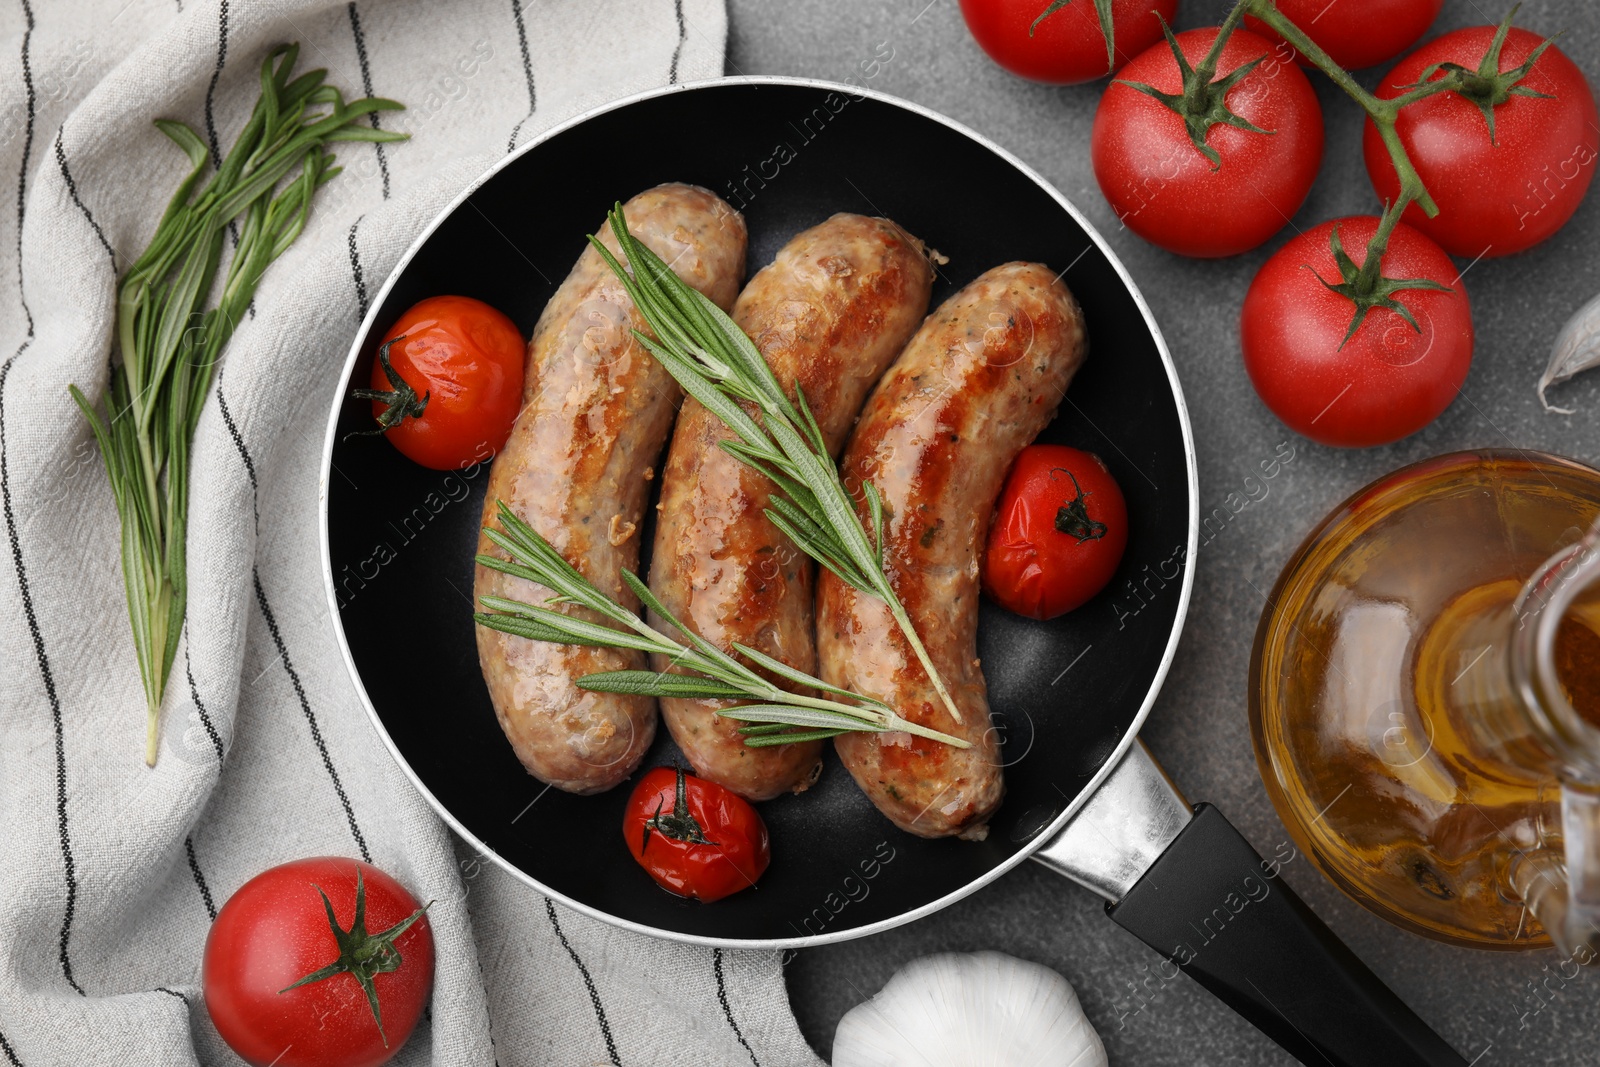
(978,382)
(831,311)
(597,409)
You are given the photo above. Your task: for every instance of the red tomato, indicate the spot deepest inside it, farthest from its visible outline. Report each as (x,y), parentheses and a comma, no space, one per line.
(1355,33)
(456,385)
(1165,190)
(1058,533)
(1067,46)
(1389,380)
(274,932)
(694,837)
(1499,197)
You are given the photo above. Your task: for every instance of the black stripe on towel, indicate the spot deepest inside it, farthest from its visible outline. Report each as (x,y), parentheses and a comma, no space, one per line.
(211,89)
(677,53)
(211,122)
(527,72)
(205,716)
(311,716)
(588,981)
(727,1011)
(40,656)
(72,188)
(11,1055)
(238,443)
(172,993)
(27,155)
(366,90)
(199,879)
(355,270)
(43,659)
(283,650)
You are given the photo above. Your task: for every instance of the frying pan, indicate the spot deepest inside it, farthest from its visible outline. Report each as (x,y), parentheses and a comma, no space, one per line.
(1083,795)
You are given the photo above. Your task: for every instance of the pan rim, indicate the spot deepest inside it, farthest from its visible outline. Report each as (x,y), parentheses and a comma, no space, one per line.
(1043,836)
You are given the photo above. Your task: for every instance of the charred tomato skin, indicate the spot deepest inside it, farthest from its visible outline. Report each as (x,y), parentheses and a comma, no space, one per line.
(468,360)
(1059,532)
(733,854)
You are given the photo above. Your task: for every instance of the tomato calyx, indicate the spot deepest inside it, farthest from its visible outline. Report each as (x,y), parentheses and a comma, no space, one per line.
(362,955)
(1102,10)
(679,824)
(1488,87)
(1204,100)
(1365,285)
(1072,517)
(401,399)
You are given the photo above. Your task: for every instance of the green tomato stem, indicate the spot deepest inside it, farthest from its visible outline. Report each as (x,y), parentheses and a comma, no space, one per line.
(1384,113)
(1207,68)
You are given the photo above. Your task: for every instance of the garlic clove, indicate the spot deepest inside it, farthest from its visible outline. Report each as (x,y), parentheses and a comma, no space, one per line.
(979,1009)
(1577,349)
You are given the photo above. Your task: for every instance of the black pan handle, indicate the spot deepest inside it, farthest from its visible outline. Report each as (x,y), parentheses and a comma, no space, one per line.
(1184,882)
(1216,909)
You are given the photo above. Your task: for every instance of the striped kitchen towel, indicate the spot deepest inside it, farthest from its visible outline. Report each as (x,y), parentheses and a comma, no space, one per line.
(112,871)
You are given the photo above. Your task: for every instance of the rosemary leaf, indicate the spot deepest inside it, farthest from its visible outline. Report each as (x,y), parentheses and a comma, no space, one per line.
(518,626)
(650,683)
(789,737)
(578,631)
(767,728)
(776,713)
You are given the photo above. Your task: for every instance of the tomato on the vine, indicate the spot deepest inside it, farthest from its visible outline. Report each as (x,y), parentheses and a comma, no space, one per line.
(1160,181)
(694,837)
(447,383)
(322,962)
(1058,533)
(1063,43)
(1388,378)
(1354,33)
(1501,194)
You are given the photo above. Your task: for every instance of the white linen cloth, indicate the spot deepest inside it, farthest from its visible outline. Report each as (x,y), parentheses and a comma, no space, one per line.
(111,870)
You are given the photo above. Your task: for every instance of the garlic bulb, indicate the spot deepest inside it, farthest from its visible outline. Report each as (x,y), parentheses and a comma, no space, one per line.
(973,1010)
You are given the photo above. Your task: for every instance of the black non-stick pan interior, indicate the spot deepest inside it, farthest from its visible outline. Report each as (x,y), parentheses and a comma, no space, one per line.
(1065,693)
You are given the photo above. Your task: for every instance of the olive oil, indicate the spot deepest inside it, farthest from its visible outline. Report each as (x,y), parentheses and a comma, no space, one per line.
(1384,710)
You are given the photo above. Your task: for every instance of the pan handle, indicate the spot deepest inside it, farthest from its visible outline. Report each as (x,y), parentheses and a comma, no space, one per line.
(1187,884)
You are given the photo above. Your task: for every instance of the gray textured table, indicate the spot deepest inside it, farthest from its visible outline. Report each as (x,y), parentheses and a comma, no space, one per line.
(1479,1001)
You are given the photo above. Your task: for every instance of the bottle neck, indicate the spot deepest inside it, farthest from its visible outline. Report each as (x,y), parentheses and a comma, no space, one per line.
(1553,663)
(1537,710)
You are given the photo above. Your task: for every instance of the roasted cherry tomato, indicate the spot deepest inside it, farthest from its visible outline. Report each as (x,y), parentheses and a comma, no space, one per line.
(318,963)
(1354,33)
(447,383)
(1066,45)
(1502,194)
(1389,378)
(694,837)
(1058,533)
(1165,189)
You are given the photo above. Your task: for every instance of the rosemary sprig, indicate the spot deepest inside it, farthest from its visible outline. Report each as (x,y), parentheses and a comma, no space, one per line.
(169,338)
(718,676)
(719,366)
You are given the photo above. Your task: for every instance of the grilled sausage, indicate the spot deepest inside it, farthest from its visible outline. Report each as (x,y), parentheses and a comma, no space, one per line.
(978,382)
(597,409)
(832,310)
